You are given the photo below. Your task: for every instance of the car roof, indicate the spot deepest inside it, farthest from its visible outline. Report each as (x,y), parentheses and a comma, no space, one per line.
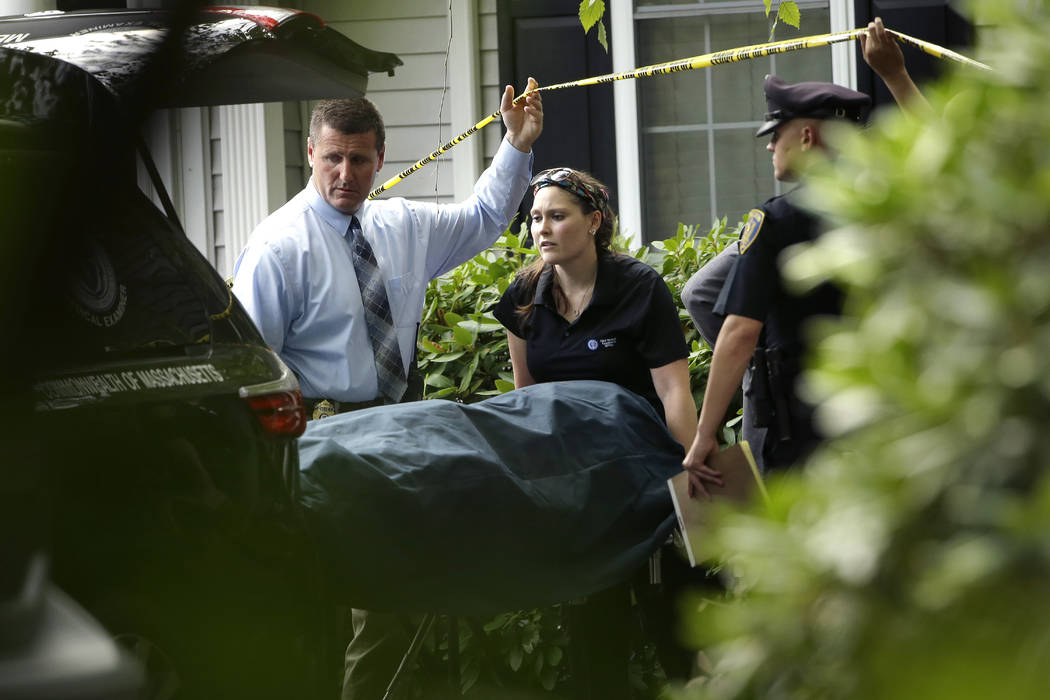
(221,55)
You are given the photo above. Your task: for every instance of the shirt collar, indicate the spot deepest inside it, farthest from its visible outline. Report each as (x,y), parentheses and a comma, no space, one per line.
(544,287)
(332,216)
(605,291)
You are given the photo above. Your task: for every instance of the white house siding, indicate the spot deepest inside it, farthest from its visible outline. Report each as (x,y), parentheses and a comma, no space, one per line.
(217,253)
(295,123)
(491,88)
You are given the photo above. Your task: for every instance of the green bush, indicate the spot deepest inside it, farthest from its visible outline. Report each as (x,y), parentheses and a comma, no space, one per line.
(911,558)
(463,356)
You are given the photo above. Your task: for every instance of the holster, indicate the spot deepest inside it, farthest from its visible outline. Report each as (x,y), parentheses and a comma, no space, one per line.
(757,390)
(779,391)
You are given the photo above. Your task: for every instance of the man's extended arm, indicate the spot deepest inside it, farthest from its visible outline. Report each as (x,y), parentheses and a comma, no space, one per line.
(465,229)
(701,292)
(736,343)
(883,53)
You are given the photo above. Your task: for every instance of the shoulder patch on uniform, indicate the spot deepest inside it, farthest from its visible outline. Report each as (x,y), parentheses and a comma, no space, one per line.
(752,226)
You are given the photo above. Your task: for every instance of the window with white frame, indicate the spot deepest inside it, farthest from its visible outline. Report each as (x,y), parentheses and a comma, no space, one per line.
(699,158)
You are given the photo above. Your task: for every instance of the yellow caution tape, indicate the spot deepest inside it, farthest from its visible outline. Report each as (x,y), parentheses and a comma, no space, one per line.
(744,53)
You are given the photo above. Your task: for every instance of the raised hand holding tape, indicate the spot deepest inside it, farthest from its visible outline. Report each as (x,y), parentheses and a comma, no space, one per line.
(736,55)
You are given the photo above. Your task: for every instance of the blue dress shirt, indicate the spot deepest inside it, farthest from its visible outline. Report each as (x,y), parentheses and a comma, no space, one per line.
(295,277)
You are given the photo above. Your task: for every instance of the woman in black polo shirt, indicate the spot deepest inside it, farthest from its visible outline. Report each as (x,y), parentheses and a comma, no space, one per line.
(584,312)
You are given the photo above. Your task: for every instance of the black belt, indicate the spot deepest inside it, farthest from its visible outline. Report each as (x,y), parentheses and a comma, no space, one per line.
(322,408)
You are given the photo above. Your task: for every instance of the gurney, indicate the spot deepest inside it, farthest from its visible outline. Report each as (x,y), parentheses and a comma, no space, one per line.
(537,496)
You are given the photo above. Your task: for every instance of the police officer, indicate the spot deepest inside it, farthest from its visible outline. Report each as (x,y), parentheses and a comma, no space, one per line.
(882,53)
(759,311)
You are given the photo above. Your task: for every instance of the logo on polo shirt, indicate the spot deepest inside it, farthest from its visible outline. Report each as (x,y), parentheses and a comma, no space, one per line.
(606,343)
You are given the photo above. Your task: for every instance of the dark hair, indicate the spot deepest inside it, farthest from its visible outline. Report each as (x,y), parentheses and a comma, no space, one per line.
(530,276)
(350,115)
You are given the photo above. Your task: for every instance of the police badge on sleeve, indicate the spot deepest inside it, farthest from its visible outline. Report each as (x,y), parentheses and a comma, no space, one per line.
(752,226)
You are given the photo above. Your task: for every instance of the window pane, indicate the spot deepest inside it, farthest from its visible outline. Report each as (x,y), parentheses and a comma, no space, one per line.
(679,98)
(677,186)
(700,122)
(806,64)
(737,87)
(745,173)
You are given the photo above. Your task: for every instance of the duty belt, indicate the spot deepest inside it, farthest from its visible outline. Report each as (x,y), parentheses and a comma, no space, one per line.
(323,408)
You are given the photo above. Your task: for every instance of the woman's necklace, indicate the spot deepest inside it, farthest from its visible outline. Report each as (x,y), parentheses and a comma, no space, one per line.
(574,308)
(581,304)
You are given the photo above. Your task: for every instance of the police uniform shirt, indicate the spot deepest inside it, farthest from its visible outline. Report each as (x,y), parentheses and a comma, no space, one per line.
(755,288)
(630,327)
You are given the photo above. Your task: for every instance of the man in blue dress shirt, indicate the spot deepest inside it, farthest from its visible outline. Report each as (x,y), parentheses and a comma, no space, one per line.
(296,278)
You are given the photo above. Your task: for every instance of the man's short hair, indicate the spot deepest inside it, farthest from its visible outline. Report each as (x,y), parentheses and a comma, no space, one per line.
(350,115)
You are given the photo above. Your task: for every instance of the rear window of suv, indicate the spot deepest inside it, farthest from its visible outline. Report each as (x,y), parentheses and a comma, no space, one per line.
(129,287)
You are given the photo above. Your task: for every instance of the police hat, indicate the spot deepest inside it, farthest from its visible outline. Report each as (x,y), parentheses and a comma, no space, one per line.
(812,100)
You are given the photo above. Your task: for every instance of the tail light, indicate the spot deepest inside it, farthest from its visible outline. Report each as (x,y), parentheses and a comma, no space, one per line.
(280,414)
(278,404)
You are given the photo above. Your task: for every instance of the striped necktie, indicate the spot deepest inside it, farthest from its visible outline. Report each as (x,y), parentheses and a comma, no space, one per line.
(389,368)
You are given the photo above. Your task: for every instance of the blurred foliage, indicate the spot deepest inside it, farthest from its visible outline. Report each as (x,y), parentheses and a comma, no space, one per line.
(463,356)
(911,558)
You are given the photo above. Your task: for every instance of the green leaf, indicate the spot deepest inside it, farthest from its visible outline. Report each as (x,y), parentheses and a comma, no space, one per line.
(475,327)
(463,336)
(530,637)
(449,357)
(548,678)
(438,380)
(496,622)
(468,375)
(603,38)
(515,657)
(767,3)
(729,435)
(431,346)
(590,12)
(554,656)
(504,386)
(452,319)
(789,12)
(470,669)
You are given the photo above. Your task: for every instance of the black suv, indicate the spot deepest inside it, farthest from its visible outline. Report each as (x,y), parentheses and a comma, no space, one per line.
(151,432)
